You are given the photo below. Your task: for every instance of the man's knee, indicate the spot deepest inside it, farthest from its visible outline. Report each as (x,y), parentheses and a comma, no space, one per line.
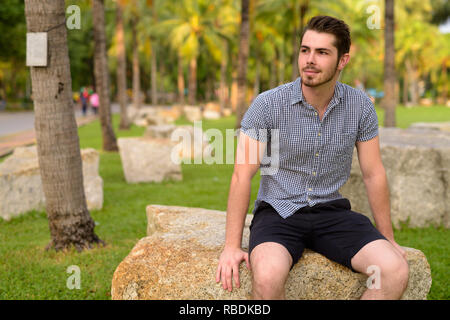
(270,264)
(396,273)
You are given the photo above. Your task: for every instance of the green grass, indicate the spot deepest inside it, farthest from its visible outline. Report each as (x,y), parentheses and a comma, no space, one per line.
(27,271)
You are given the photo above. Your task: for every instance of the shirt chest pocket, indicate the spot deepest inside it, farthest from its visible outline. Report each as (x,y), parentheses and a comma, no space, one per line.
(341,144)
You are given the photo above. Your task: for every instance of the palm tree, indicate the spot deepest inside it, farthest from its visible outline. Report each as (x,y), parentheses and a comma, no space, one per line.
(390,100)
(56,133)
(242,62)
(121,67)
(294,13)
(102,76)
(192,25)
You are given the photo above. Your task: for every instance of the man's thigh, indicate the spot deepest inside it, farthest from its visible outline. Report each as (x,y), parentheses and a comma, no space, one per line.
(269,227)
(340,234)
(379,253)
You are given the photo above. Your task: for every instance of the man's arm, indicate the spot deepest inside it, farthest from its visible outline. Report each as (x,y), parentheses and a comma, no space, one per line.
(248,157)
(375,180)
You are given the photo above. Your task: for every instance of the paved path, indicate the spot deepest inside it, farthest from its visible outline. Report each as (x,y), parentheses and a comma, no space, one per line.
(17,128)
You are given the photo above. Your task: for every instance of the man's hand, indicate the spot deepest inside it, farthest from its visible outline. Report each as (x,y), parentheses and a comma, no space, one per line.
(229,262)
(398,248)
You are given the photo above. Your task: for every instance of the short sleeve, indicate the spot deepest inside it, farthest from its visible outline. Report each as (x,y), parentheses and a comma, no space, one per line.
(256,122)
(368,123)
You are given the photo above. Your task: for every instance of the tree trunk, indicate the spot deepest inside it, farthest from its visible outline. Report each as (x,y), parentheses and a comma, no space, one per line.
(154,61)
(192,85)
(153,75)
(223,77)
(234,90)
(56,133)
(389,101)
(136,71)
(102,75)
(180,80)
(242,62)
(121,69)
(405,89)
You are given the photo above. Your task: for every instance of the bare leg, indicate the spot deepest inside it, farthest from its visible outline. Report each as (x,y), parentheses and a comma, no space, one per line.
(270,262)
(386,267)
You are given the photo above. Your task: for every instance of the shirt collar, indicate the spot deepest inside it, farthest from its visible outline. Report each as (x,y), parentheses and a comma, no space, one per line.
(297,94)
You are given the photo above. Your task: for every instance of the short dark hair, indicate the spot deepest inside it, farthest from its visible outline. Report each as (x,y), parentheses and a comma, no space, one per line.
(334,26)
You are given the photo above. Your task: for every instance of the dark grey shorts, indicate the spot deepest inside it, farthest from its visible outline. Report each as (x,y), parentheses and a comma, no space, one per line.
(329,228)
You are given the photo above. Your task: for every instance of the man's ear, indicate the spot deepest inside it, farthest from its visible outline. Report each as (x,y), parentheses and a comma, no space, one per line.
(343,61)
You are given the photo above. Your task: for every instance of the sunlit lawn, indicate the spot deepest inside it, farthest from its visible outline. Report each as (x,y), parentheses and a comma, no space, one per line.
(29,272)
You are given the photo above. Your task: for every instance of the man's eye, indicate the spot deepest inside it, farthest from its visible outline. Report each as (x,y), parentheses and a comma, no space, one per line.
(323,52)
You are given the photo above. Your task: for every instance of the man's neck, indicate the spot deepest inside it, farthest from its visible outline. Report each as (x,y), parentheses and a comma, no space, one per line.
(319,97)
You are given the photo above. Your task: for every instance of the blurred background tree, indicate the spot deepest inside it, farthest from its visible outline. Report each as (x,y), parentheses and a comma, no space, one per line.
(187,51)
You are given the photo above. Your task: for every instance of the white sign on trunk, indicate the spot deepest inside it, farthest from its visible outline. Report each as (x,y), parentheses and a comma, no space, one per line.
(37,49)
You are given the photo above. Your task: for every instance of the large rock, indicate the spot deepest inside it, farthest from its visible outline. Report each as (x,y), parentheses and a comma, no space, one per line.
(191,142)
(178,260)
(441,126)
(148,160)
(192,113)
(21,185)
(417,163)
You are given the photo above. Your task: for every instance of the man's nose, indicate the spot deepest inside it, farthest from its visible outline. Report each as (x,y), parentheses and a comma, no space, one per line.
(310,59)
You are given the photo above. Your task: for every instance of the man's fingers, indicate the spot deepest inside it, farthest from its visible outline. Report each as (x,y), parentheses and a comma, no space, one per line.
(219,267)
(236,275)
(223,275)
(247,261)
(228,279)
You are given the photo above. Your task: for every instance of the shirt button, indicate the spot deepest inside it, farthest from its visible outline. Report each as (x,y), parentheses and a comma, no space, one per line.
(309,189)
(317,154)
(319,134)
(314,173)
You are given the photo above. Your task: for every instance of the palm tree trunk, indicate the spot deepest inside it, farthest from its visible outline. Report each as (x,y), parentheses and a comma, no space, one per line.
(389,101)
(192,81)
(180,80)
(121,69)
(136,71)
(242,62)
(56,133)
(223,77)
(154,61)
(153,75)
(102,75)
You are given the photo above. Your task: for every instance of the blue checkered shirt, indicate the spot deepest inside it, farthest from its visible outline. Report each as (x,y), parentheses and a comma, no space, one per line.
(315,156)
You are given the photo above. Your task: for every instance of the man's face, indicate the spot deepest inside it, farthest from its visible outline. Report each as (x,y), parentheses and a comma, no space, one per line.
(318,59)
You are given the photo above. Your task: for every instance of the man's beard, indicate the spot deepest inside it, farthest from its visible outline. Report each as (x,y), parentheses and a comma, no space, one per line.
(311,84)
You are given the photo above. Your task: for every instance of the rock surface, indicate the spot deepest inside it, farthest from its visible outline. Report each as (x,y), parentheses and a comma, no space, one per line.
(417,163)
(21,185)
(441,126)
(178,260)
(148,160)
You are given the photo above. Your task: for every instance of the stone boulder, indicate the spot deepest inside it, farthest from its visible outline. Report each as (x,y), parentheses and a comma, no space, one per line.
(440,126)
(211,115)
(417,163)
(21,185)
(191,142)
(148,160)
(153,115)
(192,113)
(178,260)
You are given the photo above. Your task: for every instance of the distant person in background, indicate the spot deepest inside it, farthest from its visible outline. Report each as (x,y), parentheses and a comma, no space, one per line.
(84,97)
(94,102)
